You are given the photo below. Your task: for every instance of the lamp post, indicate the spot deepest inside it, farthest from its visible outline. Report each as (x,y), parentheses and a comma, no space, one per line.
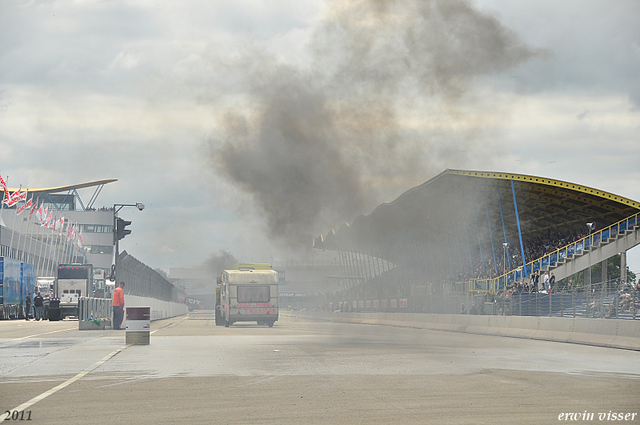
(590,228)
(120,233)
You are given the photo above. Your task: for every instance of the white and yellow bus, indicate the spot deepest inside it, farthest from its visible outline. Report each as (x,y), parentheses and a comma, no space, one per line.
(247,294)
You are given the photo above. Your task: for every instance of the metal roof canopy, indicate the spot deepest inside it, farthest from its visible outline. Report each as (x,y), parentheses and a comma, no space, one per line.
(70,189)
(469,214)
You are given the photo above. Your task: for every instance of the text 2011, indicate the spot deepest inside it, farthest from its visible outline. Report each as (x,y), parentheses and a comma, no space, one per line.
(17,415)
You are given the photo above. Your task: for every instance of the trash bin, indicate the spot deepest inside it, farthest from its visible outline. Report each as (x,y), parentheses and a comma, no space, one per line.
(138,325)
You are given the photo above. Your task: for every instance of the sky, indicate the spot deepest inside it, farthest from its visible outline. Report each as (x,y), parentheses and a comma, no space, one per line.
(250,127)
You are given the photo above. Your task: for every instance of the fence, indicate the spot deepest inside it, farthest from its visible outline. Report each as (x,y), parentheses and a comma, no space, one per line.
(94,308)
(611,299)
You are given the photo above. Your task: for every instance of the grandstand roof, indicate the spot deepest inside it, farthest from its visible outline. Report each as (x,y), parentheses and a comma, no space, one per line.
(476,210)
(57,189)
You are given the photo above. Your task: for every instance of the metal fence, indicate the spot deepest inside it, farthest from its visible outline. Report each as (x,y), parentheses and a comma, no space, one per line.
(602,300)
(94,308)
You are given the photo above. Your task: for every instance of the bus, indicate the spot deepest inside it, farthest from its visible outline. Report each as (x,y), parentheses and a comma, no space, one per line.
(247,294)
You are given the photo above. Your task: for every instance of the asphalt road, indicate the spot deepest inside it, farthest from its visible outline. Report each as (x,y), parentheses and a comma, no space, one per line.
(304,372)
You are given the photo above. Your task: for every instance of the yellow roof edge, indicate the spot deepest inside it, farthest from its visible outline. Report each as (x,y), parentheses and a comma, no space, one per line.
(63,188)
(546,181)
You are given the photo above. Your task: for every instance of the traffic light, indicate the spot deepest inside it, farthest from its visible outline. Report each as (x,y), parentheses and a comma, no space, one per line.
(121,232)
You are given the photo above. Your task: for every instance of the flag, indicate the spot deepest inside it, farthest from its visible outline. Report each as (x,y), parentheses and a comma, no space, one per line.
(13,199)
(20,209)
(52,223)
(47,217)
(58,225)
(73,232)
(40,214)
(24,207)
(79,241)
(33,209)
(69,231)
(3,184)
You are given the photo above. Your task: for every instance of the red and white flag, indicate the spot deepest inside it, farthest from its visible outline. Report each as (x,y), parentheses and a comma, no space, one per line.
(40,214)
(13,199)
(47,217)
(33,208)
(58,225)
(79,241)
(24,207)
(3,184)
(52,223)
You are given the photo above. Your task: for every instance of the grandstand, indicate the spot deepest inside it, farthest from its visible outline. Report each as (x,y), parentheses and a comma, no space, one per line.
(473,232)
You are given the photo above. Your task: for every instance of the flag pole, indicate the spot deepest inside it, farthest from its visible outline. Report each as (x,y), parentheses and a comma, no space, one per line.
(13,229)
(5,196)
(21,256)
(33,255)
(42,243)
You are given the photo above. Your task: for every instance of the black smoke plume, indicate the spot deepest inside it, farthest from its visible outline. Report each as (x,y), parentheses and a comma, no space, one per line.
(322,144)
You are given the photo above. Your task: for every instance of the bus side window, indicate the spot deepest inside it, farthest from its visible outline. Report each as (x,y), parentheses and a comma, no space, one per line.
(66,291)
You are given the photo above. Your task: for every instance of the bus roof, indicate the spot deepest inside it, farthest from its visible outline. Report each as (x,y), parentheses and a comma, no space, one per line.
(252,266)
(251,277)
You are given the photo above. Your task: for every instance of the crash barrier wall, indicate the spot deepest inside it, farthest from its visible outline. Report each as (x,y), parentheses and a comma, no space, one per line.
(101,308)
(159,309)
(613,333)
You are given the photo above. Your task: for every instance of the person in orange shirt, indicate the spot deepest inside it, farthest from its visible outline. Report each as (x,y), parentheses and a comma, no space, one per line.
(118,306)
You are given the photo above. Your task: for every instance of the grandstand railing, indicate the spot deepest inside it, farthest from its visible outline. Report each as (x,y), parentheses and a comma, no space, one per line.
(557,257)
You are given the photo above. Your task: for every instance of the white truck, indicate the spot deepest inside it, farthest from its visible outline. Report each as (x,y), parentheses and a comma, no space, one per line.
(246,295)
(74,281)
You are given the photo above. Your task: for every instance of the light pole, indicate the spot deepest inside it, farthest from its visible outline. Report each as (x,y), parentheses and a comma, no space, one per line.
(505,246)
(590,227)
(119,233)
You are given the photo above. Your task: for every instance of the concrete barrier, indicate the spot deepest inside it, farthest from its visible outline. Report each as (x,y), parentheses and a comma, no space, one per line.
(613,333)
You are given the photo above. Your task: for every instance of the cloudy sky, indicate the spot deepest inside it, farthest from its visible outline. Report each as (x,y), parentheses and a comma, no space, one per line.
(252,126)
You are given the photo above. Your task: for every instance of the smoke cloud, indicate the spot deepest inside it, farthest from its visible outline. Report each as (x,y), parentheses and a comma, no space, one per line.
(216,263)
(379,108)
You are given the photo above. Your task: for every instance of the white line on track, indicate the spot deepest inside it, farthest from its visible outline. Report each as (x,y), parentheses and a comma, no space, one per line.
(68,382)
(32,336)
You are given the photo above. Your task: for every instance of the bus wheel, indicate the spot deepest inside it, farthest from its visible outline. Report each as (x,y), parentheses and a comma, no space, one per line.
(271,324)
(219,320)
(226,323)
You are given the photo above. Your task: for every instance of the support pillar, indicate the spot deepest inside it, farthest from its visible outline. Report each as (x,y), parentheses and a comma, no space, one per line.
(623,266)
(603,268)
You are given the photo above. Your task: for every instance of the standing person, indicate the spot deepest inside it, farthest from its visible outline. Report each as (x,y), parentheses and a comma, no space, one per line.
(546,281)
(118,306)
(552,282)
(38,307)
(27,304)
(534,281)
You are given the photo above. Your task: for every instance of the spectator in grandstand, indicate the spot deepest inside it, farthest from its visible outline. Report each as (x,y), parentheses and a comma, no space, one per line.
(546,281)
(118,306)
(534,281)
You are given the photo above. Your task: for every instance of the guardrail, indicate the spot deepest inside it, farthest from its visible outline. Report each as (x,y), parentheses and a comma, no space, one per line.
(557,257)
(95,308)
